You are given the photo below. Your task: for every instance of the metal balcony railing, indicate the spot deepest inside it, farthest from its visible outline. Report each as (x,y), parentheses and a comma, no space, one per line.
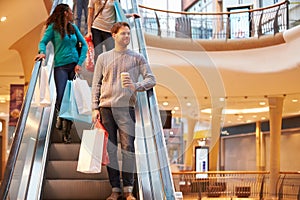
(236,184)
(244,23)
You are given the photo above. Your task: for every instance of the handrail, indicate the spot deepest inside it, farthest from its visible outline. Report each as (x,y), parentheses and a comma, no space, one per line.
(237,172)
(19,131)
(254,184)
(216,25)
(214,13)
(160,150)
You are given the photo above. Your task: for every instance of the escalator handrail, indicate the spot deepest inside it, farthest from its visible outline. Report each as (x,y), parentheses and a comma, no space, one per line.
(19,131)
(162,156)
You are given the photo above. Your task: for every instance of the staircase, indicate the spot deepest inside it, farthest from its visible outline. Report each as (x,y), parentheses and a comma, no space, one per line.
(62,181)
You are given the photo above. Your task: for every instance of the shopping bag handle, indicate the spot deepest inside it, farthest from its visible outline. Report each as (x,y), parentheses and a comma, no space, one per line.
(94,123)
(77,75)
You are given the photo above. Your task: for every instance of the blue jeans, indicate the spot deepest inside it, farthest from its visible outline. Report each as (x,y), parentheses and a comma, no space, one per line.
(122,120)
(61,75)
(82,5)
(101,38)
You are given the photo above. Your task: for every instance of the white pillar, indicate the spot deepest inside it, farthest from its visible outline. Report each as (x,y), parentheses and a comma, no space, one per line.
(215,138)
(189,151)
(275,106)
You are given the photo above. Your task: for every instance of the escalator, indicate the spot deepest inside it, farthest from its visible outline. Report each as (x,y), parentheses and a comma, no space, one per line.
(41,167)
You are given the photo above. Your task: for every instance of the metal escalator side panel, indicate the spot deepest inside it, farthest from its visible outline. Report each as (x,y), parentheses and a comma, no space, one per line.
(152,168)
(159,173)
(19,164)
(161,147)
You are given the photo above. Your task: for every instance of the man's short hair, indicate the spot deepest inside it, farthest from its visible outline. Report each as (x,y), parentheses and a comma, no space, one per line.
(115,28)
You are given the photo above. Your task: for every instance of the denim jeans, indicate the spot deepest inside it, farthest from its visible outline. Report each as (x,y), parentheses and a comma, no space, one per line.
(61,75)
(120,119)
(81,5)
(101,38)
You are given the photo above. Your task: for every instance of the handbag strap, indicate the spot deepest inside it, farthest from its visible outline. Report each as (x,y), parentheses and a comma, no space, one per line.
(101,9)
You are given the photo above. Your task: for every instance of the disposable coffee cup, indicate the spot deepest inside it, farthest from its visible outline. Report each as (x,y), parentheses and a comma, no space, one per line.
(123,75)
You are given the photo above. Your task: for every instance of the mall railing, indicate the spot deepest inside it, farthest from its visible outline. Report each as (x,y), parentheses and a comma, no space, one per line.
(242,23)
(240,184)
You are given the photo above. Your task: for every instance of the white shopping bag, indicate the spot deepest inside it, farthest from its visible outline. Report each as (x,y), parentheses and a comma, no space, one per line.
(41,96)
(83,96)
(90,153)
(44,88)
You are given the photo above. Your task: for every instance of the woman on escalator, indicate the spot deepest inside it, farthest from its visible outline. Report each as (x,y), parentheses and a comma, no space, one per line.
(64,35)
(101,17)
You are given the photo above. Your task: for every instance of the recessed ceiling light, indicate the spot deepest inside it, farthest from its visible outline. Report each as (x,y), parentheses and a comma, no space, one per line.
(176,108)
(165,103)
(262,103)
(2,100)
(294,100)
(188,104)
(3,19)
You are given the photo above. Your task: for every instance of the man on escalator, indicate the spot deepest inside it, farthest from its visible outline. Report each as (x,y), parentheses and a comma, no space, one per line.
(113,102)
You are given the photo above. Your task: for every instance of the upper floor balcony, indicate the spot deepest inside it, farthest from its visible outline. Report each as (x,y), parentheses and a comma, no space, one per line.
(243,22)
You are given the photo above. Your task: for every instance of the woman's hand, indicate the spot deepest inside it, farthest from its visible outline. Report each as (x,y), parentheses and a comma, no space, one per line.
(134,15)
(89,35)
(77,69)
(40,56)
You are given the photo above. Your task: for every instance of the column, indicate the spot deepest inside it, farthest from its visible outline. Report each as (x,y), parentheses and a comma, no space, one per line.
(222,154)
(258,145)
(215,138)
(275,106)
(189,151)
(218,24)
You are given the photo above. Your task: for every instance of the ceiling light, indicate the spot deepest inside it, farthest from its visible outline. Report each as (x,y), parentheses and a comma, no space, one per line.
(3,19)
(176,108)
(294,100)
(2,100)
(188,104)
(165,103)
(239,111)
(262,103)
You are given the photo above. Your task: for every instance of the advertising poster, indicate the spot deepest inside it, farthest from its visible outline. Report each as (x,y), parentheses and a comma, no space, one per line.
(201,156)
(16,101)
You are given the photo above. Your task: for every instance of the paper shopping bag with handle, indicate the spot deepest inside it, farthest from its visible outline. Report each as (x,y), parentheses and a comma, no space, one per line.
(91,150)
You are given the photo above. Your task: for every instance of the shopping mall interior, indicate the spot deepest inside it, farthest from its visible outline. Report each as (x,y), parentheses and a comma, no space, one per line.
(222,122)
